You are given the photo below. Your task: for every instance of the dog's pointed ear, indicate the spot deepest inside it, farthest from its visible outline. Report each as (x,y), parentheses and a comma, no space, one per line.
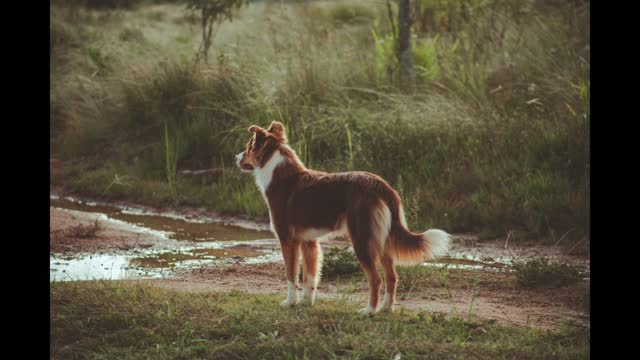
(277,129)
(258,130)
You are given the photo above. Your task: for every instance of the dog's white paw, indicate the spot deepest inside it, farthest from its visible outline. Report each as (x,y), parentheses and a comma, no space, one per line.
(308,296)
(366,311)
(292,295)
(288,303)
(386,305)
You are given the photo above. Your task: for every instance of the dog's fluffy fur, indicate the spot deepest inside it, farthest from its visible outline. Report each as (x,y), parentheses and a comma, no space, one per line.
(306,206)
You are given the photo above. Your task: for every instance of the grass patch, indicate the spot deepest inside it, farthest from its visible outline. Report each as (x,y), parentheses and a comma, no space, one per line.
(130,34)
(119,320)
(81,231)
(418,277)
(539,273)
(340,262)
(109,182)
(356,13)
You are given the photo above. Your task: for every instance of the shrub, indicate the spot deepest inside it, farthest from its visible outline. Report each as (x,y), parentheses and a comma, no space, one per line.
(129,34)
(351,14)
(539,273)
(339,261)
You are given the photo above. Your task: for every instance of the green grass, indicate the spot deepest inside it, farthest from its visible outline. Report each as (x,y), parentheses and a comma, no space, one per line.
(129,34)
(340,264)
(351,13)
(232,194)
(116,320)
(539,273)
(424,277)
(495,139)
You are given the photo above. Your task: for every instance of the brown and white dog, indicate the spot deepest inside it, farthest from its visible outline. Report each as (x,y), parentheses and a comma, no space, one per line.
(306,206)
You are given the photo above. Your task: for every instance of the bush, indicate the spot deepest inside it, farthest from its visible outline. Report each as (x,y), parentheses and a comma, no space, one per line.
(539,273)
(200,107)
(339,261)
(129,34)
(61,34)
(351,14)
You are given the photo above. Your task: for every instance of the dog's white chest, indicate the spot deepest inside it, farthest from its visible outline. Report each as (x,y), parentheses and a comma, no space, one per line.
(264,175)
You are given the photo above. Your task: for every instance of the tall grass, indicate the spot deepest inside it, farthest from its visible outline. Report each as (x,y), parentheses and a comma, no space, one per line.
(494,140)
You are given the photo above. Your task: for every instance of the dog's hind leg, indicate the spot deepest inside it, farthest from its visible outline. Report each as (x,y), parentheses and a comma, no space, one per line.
(291,255)
(367,246)
(390,278)
(311,269)
(369,266)
(368,222)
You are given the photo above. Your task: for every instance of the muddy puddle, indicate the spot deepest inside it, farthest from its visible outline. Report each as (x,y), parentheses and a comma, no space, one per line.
(170,243)
(152,263)
(471,263)
(177,227)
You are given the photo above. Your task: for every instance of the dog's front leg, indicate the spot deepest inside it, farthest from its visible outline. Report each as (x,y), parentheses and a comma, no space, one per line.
(311,266)
(291,254)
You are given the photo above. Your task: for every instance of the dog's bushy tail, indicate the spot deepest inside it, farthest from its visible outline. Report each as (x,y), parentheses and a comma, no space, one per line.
(409,248)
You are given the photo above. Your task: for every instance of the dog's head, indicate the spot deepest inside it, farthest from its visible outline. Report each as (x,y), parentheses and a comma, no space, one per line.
(261,146)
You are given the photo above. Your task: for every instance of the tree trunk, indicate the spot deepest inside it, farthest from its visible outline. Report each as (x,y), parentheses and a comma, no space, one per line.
(203,47)
(207,22)
(405,57)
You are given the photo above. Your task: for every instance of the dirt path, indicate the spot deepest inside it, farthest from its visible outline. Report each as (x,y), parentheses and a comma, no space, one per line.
(495,296)
(546,309)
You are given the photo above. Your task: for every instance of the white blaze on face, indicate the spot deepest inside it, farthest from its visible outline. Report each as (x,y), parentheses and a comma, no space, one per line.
(264,174)
(239,158)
